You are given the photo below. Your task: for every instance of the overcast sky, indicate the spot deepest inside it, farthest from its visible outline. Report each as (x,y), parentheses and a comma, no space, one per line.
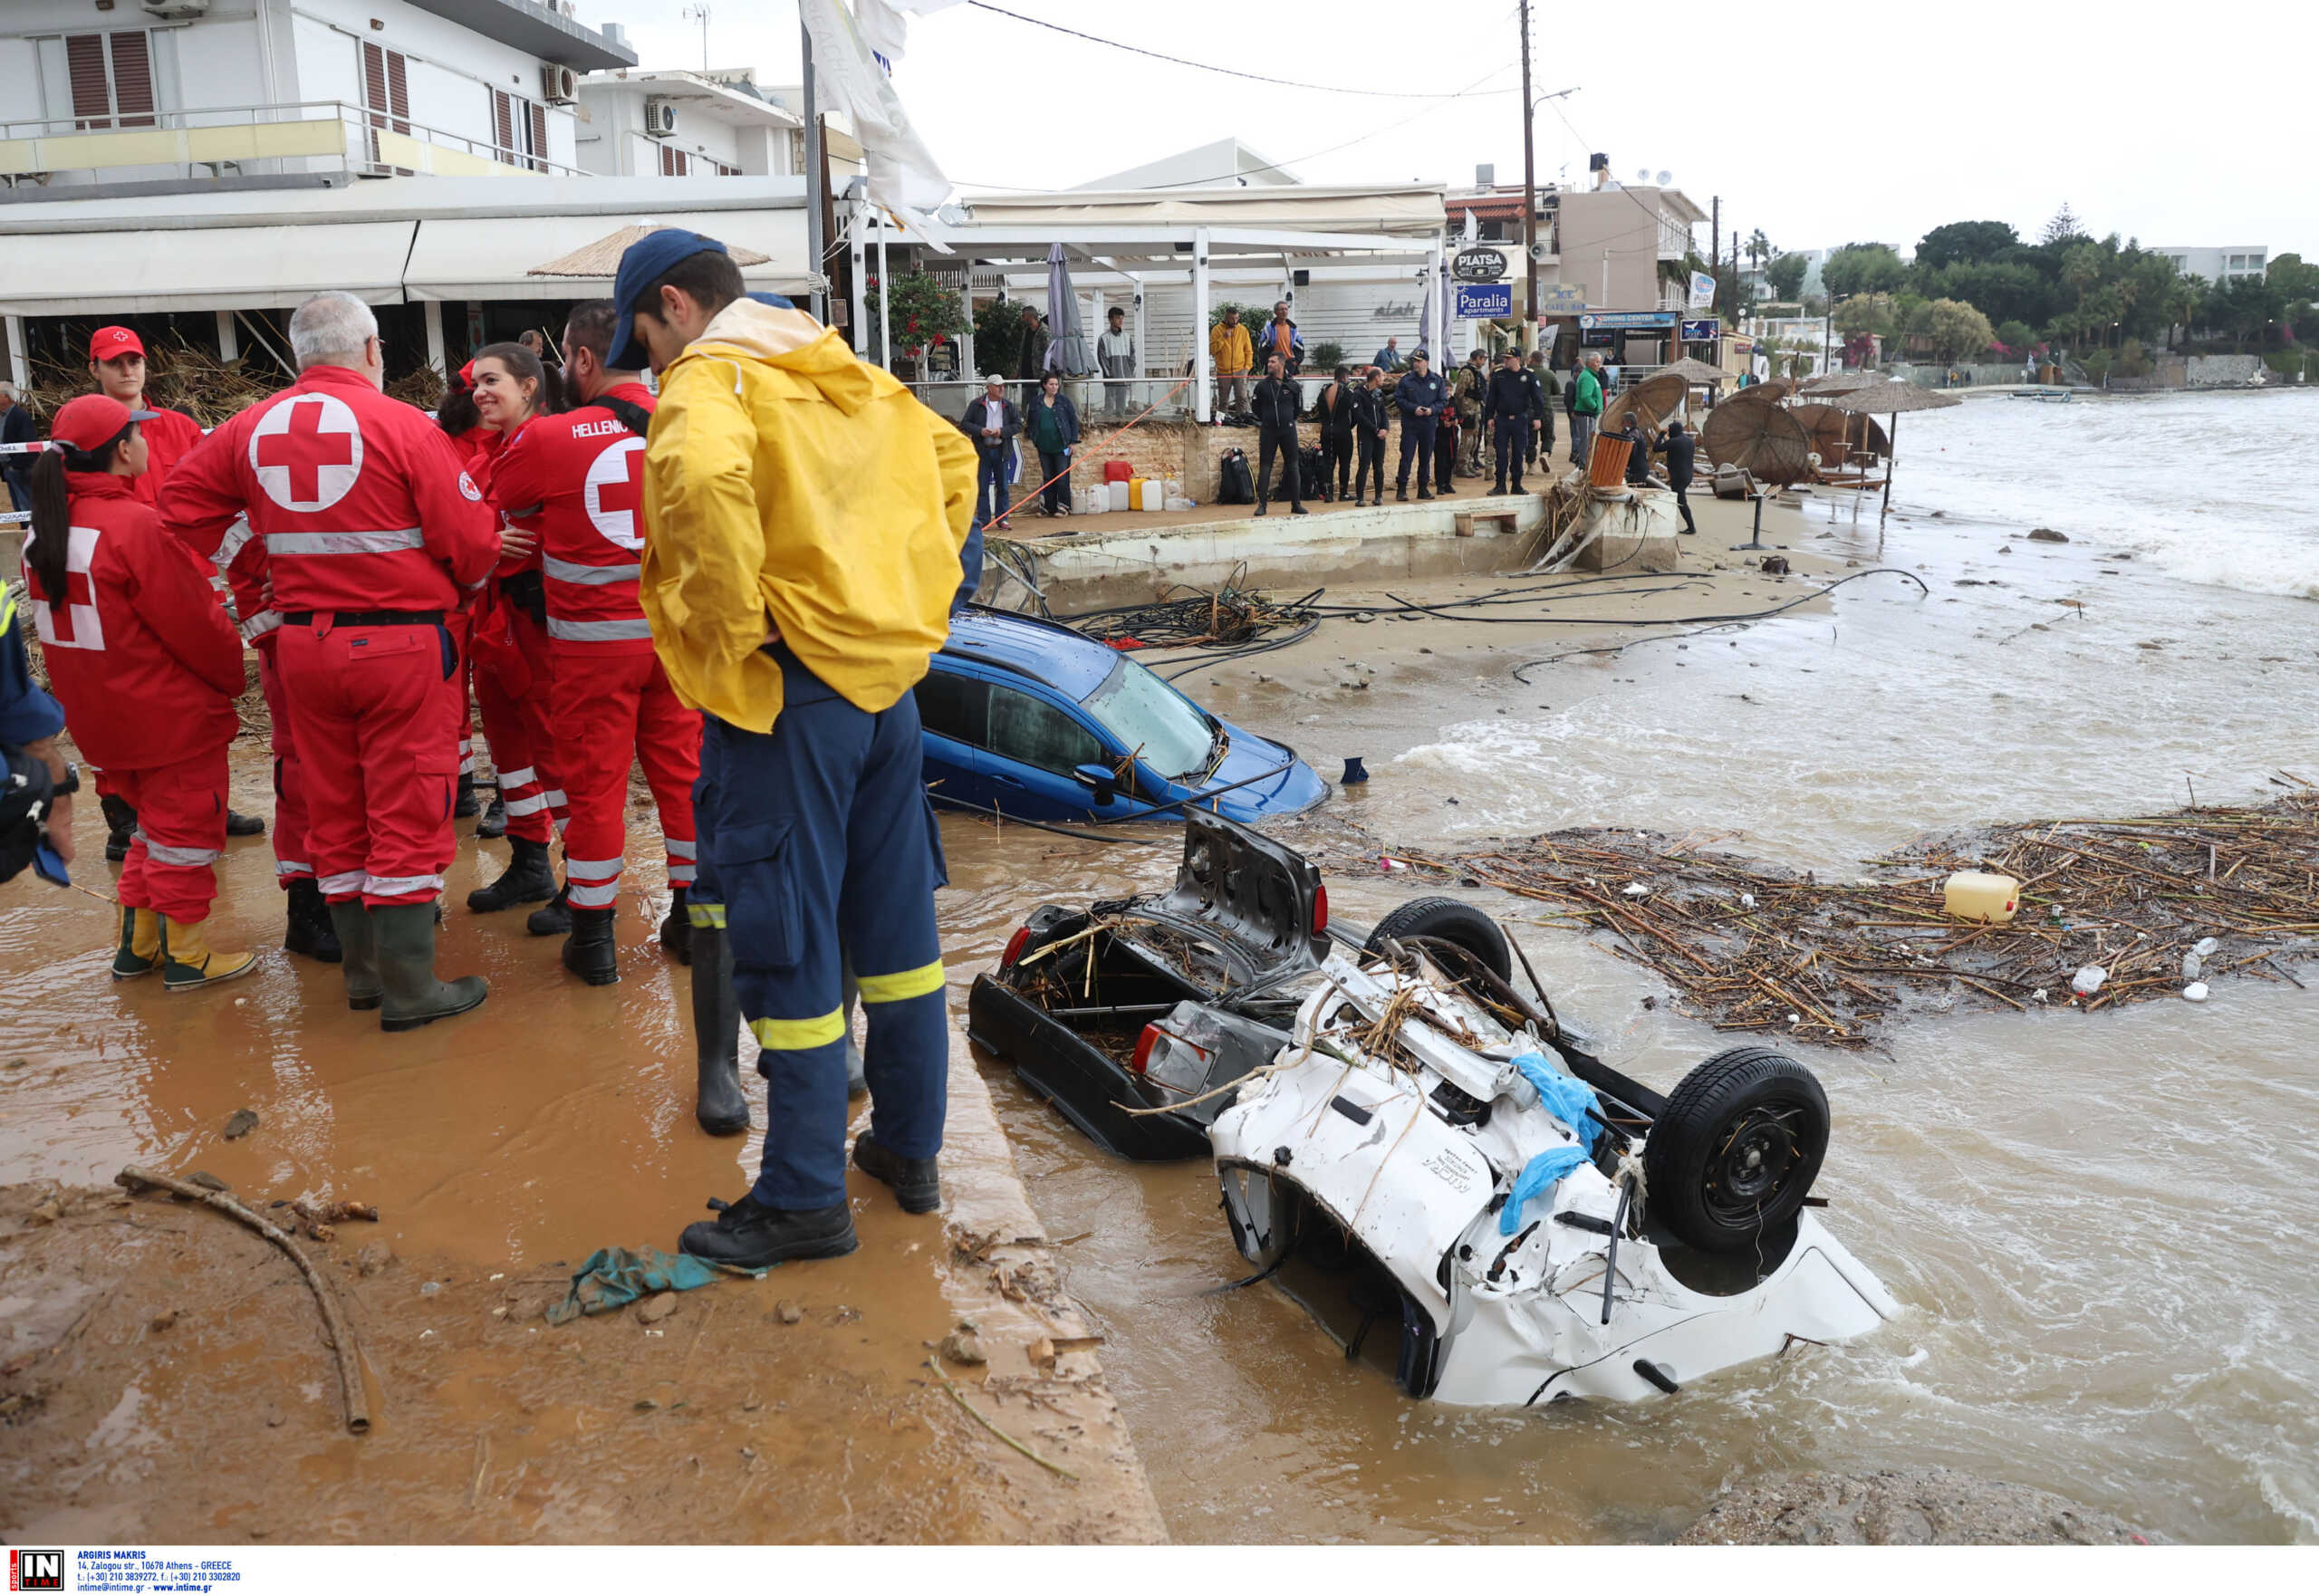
(1818,125)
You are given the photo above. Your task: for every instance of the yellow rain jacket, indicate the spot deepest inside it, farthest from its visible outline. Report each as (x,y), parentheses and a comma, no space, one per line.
(1230,350)
(792,490)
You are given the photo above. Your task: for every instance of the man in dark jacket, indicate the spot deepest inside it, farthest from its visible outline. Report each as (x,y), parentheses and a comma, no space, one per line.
(1679,446)
(1542,434)
(1637,444)
(1274,403)
(1420,397)
(1372,416)
(1509,407)
(15,427)
(994,423)
(1031,355)
(1334,407)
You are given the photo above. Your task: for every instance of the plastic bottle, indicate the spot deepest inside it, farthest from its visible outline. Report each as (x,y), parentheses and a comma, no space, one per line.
(2088,981)
(2193,966)
(1980,895)
(2205,947)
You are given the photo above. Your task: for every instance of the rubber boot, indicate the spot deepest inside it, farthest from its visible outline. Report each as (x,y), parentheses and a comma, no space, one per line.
(415,997)
(526,880)
(465,807)
(189,961)
(590,952)
(358,942)
(120,825)
(493,823)
(552,919)
(721,1110)
(310,930)
(676,928)
(917,1183)
(238,824)
(140,944)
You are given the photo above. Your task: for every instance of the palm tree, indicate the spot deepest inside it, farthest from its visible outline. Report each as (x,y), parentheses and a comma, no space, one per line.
(2182,304)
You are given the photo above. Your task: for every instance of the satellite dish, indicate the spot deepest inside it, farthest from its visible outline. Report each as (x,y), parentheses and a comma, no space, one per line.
(1665,179)
(1643,175)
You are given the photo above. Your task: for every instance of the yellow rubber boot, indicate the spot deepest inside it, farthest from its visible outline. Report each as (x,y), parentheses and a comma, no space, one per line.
(189,960)
(139,953)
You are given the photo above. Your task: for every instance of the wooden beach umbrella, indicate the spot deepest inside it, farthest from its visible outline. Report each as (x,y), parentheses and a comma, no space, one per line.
(601,259)
(1653,400)
(1890,399)
(1840,434)
(1761,437)
(1762,393)
(1835,383)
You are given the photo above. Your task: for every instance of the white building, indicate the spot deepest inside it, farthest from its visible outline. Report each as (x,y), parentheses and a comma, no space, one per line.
(689,124)
(2215,262)
(1226,164)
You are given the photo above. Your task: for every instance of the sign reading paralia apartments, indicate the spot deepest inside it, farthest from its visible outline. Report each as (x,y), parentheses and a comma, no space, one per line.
(1479,302)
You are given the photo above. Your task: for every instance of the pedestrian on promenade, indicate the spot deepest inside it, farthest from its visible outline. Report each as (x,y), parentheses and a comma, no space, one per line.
(1585,410)
(1466,400)
(1031,355)
(1281,338)
(1389,359)
(1508,409)
(1679,447)
(15,427)
(993,423)
(1115,352)
(1053,428)
(1541,432)
(1230,351)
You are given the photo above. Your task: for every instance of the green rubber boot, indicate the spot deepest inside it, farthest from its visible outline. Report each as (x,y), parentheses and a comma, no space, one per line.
(358,945)
(414,996)
(139,953)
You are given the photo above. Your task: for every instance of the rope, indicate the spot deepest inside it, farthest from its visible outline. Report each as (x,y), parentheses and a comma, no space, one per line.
(1102,443)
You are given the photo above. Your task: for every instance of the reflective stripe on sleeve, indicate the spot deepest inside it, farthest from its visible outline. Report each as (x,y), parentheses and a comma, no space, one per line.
(682,875)
(682,847)
(162,854)
(790,1035)
(345,542)
(593,894)
(258,625)
(598,631)
(291,867)
(555,798)
(345,883)
(587,576)
(400,886)
(523,806)
(517,778)
(237,538)
(902,984)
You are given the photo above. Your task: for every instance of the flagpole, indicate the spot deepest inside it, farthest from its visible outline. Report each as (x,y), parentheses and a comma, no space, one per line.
(816,246)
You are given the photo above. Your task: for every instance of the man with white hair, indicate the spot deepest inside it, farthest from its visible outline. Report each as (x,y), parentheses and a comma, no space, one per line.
(372,534)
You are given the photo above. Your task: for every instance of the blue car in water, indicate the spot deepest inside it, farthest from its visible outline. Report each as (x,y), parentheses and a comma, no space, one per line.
(1039,722)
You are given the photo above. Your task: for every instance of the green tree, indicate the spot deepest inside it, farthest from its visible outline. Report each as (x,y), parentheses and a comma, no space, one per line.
(1759,248)
(2062,226)
(2293,277)
(1863,268)
(923,310)
(1954,330)
(1954,242)
(2016,336)
(1787,274)
(1864,313)
(2005,290)
(2182,299)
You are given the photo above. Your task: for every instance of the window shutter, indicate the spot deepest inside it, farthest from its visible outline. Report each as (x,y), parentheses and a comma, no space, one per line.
(398,91)
(132,80)
(374,83)
(84,59)
(539,138)
(502,115)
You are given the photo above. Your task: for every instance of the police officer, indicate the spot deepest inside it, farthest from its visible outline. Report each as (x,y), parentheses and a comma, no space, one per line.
(798,608)
(1420,396)
(373,532)
(1509,406)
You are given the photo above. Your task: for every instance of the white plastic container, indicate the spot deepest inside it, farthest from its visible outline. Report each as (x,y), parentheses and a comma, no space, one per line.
(1116,492)
(1978,894)
(1094,500)
(2088,980)
(1155,493)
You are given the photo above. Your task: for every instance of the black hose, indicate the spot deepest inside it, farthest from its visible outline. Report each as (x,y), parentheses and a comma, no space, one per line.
(1705,622)
(1045,826)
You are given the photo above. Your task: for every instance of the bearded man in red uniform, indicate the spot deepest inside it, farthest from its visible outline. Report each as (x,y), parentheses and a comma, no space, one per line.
(577,480)
(372,534)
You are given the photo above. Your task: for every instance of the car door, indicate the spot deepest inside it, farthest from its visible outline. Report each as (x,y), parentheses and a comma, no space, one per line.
(1037,741)
(954,720)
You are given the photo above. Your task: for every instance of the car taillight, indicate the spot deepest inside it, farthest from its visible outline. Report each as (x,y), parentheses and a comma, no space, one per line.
(1015,945)
(1143,1046)
(1320,910)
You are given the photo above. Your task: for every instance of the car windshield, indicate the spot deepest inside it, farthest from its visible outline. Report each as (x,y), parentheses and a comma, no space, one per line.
(1165,729)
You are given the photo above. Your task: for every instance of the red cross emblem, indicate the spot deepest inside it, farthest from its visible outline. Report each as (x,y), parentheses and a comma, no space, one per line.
(76,623)
(307,452)
(615,493)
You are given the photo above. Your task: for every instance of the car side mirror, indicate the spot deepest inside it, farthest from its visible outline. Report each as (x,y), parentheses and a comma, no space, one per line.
(1099,780)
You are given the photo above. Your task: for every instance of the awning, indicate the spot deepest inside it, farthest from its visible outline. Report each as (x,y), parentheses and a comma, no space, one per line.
(488,258)
(200,268)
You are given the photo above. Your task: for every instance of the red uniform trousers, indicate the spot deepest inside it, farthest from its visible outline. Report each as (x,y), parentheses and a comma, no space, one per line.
(457,622)
(376,730)
(518,724)
(613,708)
(180,835)
(291,860)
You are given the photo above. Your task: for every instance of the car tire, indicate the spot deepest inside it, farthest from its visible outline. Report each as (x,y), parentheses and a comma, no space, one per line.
(1451,921)
(1734,1154)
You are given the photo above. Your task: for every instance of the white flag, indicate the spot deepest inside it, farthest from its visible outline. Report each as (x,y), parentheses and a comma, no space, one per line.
(902,173)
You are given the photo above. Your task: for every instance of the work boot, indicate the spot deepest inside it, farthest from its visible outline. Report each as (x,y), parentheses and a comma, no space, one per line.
(120,826)
(1260,510)
(590,952)
(465,807)
(676,928)
(526,880)
(1424,492)
(358,943)
(916,1182)
(721,1108)
(493,823)
(1379,501)
(414,998)
(1401,495)
(554,918)
(238,824)
(189,961)
(140,944)
(747,1235)
(310,930)
(1298,510)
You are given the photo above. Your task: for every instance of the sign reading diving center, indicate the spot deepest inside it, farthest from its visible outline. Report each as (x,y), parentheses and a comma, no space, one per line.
(1479,302)
(1624,321)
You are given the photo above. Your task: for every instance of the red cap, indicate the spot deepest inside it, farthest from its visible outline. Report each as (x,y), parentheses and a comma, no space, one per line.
(92,421)
(110,343)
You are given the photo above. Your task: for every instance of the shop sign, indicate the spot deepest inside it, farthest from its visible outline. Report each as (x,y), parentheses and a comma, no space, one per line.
(1705,330)
(1483,301)
(1625,321)
(1561,299)
(1482,264)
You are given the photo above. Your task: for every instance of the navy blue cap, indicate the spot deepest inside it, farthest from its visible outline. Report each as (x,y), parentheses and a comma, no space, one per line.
(641,265)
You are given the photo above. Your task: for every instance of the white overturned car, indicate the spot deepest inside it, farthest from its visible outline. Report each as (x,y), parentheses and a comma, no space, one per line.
(1430,1149)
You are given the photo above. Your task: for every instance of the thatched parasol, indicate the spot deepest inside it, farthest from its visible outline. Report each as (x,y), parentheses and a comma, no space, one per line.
(601,259)
(1838,435)
(1654,398)
(1696,373)
(1760,393)
(1763,440)
(1838,382)
(1890,399)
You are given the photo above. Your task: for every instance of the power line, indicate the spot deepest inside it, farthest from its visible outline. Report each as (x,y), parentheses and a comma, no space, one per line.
(1221,70)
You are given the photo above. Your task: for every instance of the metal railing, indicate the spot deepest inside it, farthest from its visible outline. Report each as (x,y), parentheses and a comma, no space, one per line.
(1098,399)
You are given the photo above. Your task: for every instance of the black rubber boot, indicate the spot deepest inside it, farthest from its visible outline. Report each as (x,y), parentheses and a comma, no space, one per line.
(121,822)
(747,1235)
(1400,496)
(414,996)
(722,1110)
(494,822)
(554,917)
(238,824)
(465,806)
(310,930)
(916,1182)
(526,880)
(590,952)
(358,946)
(676,928)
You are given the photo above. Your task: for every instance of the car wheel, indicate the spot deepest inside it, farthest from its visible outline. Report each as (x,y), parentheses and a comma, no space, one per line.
(1450,921)
(1734,1154)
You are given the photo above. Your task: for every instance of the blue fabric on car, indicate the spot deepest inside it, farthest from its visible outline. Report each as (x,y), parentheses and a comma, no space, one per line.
(1569,1100)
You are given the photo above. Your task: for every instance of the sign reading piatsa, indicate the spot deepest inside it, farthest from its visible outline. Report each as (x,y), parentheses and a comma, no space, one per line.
(1483,263)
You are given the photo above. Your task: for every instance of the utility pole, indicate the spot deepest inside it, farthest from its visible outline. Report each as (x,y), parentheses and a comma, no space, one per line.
(816,182)
(1529,199)
(1715,250)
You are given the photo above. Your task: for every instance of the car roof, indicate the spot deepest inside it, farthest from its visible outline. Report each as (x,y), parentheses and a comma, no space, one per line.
(1066,660)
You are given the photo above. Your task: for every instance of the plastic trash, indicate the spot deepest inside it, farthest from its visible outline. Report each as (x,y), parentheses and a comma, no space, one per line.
(2088,981)
(1390,866)
(1981,894)
(1568,1100)
(1636,889)
(2193,966)
(2196,991)
(1181,503)
(2205,947)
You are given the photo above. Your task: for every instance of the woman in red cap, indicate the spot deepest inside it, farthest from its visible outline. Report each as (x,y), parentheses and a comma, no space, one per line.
(117,362)
(147,666)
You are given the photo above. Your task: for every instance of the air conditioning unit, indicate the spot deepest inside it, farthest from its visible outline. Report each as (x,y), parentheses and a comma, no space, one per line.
(559,85)
(659,117)
(175,9)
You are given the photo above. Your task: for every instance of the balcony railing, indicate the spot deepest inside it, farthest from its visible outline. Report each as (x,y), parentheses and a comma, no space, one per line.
(325,135)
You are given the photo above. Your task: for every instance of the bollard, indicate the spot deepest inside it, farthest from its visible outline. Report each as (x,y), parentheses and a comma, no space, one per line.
(1354,774)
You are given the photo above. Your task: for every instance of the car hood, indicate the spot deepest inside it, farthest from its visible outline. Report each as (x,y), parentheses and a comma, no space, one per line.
(1292,791)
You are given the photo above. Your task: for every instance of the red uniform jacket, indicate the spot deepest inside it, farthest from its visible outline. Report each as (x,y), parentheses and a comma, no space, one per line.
(360,499)
(169,437)
(141,654)
(577,480)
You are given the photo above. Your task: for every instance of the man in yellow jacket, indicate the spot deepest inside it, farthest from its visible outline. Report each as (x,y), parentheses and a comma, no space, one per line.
(1230,351)
(804,519)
